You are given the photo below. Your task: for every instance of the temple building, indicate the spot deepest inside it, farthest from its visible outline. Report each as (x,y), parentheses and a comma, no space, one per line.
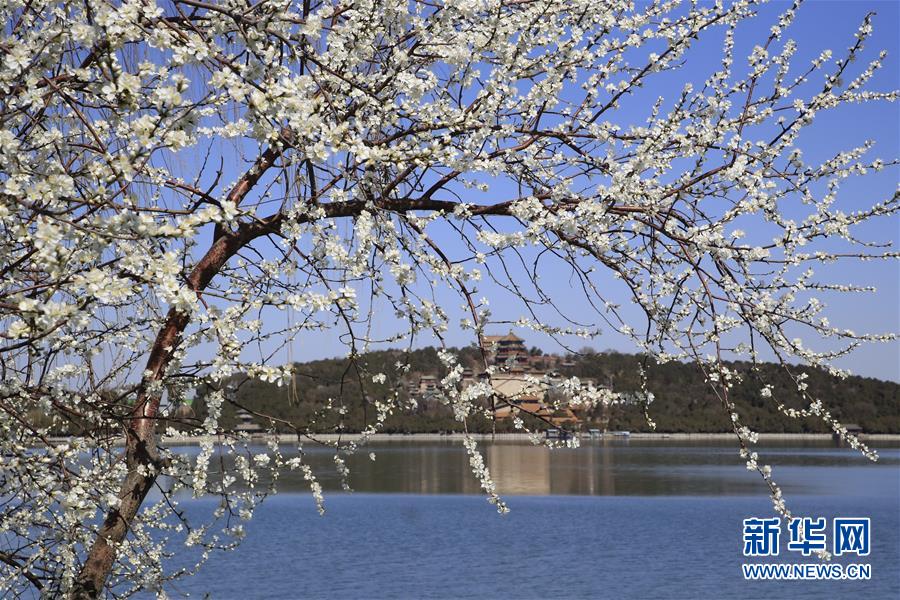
(503,349)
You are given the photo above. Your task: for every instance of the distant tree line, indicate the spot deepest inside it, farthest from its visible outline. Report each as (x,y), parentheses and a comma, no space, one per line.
(683,402)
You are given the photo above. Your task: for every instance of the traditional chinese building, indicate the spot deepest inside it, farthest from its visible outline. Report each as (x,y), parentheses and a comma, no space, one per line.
(246,423)
(427,384)
(505,349)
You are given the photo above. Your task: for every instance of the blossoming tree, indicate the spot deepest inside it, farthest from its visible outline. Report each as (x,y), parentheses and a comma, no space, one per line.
(189,186)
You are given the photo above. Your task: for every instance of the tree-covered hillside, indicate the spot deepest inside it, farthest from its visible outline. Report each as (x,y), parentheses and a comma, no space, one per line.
(683,401)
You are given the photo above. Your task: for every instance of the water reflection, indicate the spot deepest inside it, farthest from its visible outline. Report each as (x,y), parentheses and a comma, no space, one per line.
(605,468)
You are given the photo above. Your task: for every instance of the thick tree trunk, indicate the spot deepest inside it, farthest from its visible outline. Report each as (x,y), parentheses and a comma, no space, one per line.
(96,569)
(141,454)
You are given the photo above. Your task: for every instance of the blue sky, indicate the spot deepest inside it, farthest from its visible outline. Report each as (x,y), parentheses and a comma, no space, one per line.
(819,25)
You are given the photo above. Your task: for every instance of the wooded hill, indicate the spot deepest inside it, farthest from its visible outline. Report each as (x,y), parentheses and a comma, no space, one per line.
(683,402)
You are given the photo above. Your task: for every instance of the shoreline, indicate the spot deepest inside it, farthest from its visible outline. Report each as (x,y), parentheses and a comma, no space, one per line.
(191,440)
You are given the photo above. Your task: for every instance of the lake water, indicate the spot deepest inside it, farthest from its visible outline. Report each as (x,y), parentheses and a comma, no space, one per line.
(608,520)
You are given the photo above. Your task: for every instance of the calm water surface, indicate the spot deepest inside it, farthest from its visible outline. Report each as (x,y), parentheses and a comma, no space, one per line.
(608,520)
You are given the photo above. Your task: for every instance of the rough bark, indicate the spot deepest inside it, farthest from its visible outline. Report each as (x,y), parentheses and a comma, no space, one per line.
(141,454)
